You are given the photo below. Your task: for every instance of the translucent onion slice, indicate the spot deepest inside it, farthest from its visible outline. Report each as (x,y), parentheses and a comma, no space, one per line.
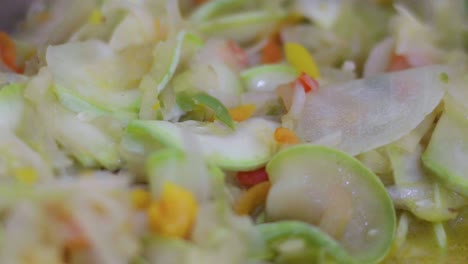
(372,112)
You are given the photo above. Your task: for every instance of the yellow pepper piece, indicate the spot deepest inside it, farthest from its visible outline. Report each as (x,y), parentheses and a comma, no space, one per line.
(174,214)
(252,198)
(141,199)
(95,18)
(26,175)
(242,112)
(285,136)
(301,59)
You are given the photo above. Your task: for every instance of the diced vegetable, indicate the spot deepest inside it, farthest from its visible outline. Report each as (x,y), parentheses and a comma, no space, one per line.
(334,191)
(141,199)
(8,52)
(251,178)
(242,112)
(174,213)
(298,56)
(272,52)
(252,198)
(308,83)
(286,136)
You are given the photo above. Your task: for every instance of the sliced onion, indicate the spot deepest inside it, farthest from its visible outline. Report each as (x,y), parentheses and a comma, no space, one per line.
(372,112)
(379,57)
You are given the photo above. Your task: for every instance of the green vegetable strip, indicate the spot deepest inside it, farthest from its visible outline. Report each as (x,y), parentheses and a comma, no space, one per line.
(273,233)
(188,103)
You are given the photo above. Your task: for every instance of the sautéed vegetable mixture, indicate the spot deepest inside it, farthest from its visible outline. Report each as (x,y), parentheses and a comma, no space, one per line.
(235,131)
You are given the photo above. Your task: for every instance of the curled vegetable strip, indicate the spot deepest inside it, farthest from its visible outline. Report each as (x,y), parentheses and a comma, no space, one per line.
(330,189)
(188,102)
(316,240)
(154,83)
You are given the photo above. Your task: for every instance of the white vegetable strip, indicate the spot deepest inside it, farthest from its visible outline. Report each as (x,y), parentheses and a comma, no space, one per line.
(372,112)
(150,92)
(379,58)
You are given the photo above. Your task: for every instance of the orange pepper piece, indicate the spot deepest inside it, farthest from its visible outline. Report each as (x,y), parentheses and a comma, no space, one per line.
(242,112)
(8,52)
(272,52)
(252,198)
(286,136)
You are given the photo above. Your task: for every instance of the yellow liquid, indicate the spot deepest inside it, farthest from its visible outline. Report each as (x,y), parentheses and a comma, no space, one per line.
(421,245)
